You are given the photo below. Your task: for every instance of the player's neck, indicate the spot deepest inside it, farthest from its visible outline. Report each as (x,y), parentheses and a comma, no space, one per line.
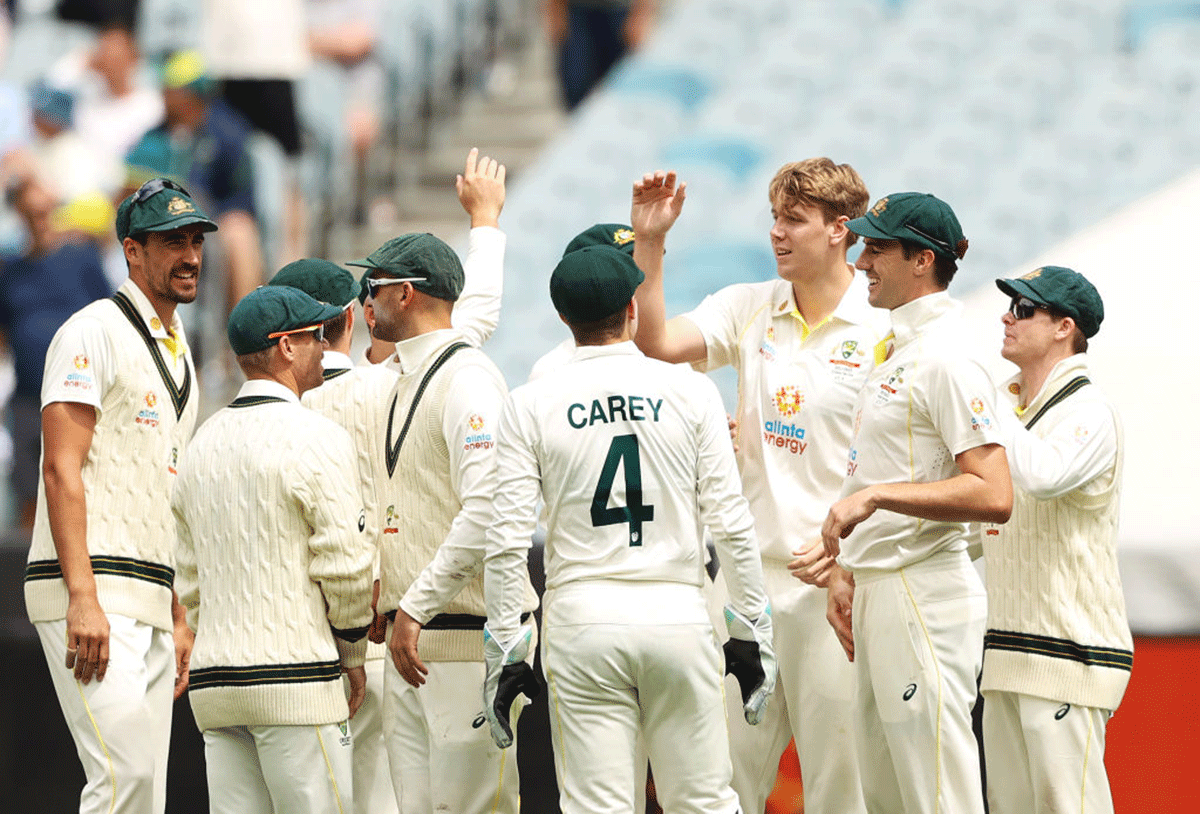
(1036,372)
(817,295)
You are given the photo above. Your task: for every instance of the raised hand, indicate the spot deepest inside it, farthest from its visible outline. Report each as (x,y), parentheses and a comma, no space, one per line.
(657,203)
(481,189)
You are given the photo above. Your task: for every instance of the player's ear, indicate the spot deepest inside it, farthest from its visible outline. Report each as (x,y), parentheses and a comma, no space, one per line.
(838,231)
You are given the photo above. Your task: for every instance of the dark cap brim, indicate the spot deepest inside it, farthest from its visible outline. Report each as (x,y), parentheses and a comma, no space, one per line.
(179,223)
(864,228)
(364,263)
(1020,288)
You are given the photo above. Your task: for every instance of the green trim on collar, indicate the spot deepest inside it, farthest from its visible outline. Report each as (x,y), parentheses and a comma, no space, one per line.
(179,393)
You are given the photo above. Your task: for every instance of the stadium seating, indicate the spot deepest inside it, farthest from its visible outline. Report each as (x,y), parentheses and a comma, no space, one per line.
(1033,118)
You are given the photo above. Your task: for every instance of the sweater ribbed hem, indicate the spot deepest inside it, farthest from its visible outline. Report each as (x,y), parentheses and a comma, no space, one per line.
(1056,679)
(150,603)
(308,703)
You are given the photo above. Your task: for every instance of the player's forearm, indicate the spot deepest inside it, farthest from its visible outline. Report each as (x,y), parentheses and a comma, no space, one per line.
(962,498)
(66,505)
(651,335)
(477,310)
(457,561)
(505,572)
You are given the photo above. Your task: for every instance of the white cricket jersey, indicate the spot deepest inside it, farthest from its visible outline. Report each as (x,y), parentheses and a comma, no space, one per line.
(920,408)
(633,458)
(796,392)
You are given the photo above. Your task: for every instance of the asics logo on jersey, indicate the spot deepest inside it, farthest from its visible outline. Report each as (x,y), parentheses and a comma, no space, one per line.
(909,692)
(612,409)
(1062,712)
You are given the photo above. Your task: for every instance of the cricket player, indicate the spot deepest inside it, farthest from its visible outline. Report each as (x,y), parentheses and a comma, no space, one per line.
(1058,651)
(356,398)
(275,571)
(632,457)
(927,458)
(435,481)
(119,403)
(802,347)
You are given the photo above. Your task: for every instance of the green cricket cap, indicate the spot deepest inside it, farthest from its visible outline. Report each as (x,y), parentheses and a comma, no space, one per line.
(273,309)
(615,235)
(433,265)
(159,205)
(1063,290)
(915,217)
(323,281)
(593,283)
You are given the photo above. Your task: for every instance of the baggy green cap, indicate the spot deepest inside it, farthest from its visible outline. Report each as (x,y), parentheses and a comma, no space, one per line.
(615,235)
(436,268)
(593,283)
(160,205)
(915,217)
(323,281)
(271,309)
(1063,290)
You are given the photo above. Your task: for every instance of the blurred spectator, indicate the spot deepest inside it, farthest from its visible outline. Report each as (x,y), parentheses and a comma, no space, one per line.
(114,105)
(341,36)
(203,143)
(39,289)
(591,37)
(258,49)
(61,157)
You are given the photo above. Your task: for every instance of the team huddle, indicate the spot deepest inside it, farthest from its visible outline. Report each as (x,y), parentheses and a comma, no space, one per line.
(334,566)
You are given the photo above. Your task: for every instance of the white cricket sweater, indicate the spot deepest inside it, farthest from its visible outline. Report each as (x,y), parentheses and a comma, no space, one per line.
(143,424)
(1057,627)
(435,519)
(274,562)
(355,398)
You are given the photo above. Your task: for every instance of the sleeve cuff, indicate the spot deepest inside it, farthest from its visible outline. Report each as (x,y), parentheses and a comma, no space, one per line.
(351,654)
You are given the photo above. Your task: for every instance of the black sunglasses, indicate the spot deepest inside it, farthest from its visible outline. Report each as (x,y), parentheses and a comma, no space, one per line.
(154,186)
(1024,308)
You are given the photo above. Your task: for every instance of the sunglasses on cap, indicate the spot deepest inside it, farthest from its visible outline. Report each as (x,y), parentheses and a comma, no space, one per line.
(1024,308)
(376,283)
(154,186)
(317,330)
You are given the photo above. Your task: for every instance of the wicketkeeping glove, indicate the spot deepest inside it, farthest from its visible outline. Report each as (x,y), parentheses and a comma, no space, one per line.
(750,656)
(508,675)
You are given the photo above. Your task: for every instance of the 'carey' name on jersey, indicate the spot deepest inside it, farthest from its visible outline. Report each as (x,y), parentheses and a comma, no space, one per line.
(612,409)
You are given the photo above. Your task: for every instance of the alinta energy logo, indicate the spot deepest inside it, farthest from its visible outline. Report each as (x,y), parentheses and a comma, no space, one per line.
(148,417)
(788,401)
(79,379)
(767,348)
(477,439)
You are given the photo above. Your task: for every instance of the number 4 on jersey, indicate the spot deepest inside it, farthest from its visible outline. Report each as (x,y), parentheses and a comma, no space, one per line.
(623,448)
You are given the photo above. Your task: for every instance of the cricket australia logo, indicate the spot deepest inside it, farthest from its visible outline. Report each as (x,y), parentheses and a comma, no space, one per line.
(1033,275)
(848,348)
(880,207)
(622,236)
(391,521)
(788,400)
(179,206)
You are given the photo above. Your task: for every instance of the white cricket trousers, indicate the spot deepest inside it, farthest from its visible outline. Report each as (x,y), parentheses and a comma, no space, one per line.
(301,769)
(121,725)
(608,680)
(812,703)
(373,792)
(440,748)
(918,648)
(1044,755)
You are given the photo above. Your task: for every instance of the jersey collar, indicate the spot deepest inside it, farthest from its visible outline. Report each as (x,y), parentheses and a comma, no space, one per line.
(259,388)
(334,360)
(413,353)
(910,319)
(146,312)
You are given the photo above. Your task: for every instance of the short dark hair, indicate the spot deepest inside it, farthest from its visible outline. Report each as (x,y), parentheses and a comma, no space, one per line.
(943,267)
(335,328)
(599,331)
(1079,342)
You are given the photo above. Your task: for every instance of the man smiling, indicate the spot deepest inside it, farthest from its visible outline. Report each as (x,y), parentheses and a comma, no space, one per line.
(118,407)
